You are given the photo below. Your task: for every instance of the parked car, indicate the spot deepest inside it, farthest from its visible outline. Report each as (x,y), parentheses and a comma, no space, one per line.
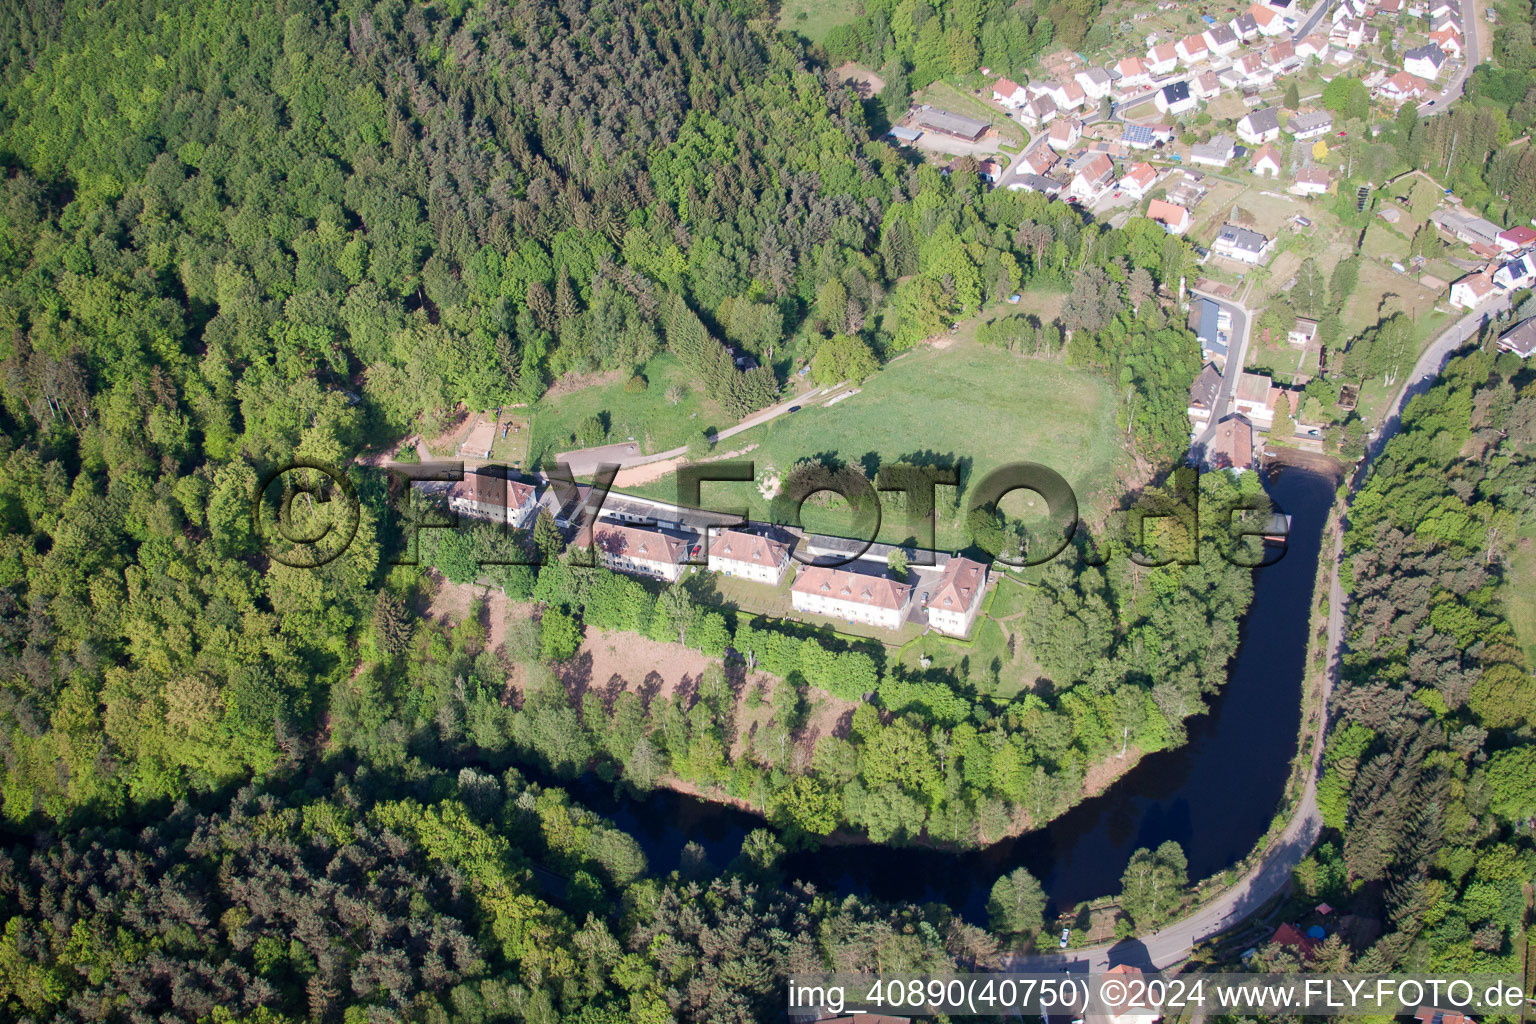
(1066,935)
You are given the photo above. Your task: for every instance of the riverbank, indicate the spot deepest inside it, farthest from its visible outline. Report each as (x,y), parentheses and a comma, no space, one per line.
(1190,794)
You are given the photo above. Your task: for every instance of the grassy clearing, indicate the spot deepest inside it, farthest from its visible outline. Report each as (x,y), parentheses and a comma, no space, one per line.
(1518,592)
(966,405)
(813,19)
(647,415)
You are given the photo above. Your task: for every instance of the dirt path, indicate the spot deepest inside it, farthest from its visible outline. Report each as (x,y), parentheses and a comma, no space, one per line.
(636,476)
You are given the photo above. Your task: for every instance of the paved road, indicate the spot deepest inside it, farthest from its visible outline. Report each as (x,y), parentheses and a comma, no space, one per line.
(1446,97)
(1237,351)
(1311,20)
(1171,945)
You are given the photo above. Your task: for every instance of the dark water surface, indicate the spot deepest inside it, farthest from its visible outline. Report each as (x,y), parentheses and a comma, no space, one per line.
(1216,795)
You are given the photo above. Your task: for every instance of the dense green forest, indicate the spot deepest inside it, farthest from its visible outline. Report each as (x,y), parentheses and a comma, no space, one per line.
(238,235)
(467,897)
(232,236)
(1429,791)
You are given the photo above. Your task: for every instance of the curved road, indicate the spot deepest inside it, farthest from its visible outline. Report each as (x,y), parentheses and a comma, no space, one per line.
(1171,945)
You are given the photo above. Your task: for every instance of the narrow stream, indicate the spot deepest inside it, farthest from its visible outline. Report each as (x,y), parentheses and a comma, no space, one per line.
(1216,795)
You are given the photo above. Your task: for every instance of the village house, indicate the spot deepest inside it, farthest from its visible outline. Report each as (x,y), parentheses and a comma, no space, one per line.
(489,494)
(1009,93)
(1245,26)
(1068,95)
(1253,70)
(1216,153)
(1028,182)
(1137,180)
(1252,398)
(1519,272)
(1093,177)
(1270,22)
(1449,40)
(639,551)
(1231,445)
(989,171)
(1281,56)
(1133,73)
(1064,133)
(1040,160)
(1210,323)
(1348,33)
(1039,110)
(1259,126)
(760,559)
(1400,88)
(1142,136)
(1241,244)
(1205,86)
(1311,181)
(1470,291)
(850,596)
(1173,217)
(1162,59)
(1266,162)
(1424,61)
(1220,39)
(1312,46)
(1138,1007)
(1292,400)
(1095,82)
(1203,396)
(1192,49)
(1174,98)
(954,602)
(1516,238)
(1445,21)
(1304,332)
(1520,339)
(1310,126)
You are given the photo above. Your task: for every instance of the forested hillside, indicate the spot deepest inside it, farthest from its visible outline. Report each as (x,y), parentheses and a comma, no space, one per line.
(1430,787)
(235,235)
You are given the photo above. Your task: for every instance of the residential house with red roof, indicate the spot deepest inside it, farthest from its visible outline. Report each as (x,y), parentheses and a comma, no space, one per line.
(954,602)
(639,551)
(760,559)
(850,596)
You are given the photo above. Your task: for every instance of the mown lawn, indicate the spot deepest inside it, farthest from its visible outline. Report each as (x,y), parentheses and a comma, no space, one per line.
(991,663)
(647,415)
(967,405)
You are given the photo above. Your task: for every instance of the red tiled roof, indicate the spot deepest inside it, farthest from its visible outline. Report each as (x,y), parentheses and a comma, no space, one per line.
(750,548)
(855,588)
(960,586)
(639,544)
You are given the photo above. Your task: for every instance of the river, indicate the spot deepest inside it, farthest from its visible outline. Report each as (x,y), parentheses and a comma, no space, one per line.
(1215,795)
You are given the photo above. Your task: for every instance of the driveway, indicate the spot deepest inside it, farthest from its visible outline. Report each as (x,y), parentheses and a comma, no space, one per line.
(584,461)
